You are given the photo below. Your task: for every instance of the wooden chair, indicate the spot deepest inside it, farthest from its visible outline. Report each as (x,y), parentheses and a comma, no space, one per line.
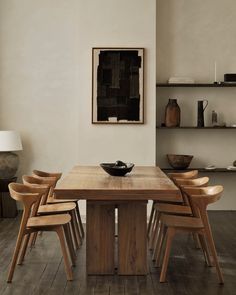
(49,209)
(174,209)
(52,200)
(199,199)
(152,221)
(30,223)
(184,175)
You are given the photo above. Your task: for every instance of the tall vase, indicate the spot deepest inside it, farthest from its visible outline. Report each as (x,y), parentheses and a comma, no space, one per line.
(200,112)
(172,114)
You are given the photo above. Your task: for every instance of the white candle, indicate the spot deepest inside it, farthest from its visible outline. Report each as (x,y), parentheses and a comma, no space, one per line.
(215,72)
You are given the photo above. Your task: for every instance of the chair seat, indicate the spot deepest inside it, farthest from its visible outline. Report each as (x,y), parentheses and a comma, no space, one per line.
(56,208)
(173,209)
(57,201)
(182,222)
(49,220)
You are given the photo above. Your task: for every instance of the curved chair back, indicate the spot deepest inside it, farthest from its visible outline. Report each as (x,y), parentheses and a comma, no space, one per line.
(186,175)
(35,181)
(196,182)
(39,173)
(29,196)
(201,197)
(44,174)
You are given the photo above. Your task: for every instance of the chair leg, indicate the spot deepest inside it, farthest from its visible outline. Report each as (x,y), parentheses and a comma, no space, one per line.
(80,221)
(211,245)
(150,221)
(156,235)
(169,237)
(70,244)
(32,240)
(160,246)
(15,256)
(60,233)
(76,228)
(205,250)
(152,230)
(23,249)
(196,240)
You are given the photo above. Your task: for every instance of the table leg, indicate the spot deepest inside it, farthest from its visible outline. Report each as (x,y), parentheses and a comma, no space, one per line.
(100,238)
(132,238)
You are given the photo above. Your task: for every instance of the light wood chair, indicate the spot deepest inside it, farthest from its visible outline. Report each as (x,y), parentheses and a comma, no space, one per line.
(51,198)
(30,223)
(153,216)
(199,199)
(172,209)
(49,209)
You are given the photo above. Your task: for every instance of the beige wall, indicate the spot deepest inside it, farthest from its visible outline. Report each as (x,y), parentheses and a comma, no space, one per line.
(191,36)
(45,79)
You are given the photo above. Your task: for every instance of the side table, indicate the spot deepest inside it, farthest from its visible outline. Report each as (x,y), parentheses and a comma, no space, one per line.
(8,206)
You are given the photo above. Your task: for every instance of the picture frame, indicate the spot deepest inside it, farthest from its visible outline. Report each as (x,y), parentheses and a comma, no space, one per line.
(117,85)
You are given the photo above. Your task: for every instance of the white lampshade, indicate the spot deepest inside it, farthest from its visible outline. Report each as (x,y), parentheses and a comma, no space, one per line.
(10,141)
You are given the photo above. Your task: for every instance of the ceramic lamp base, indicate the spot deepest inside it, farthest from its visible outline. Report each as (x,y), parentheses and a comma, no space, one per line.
(8,164)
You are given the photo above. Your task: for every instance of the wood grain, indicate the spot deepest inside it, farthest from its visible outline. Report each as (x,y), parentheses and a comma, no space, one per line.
(132,241)
(92,183)
(100,238)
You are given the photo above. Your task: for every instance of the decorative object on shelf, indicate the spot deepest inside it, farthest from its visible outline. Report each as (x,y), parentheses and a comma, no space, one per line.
(200,112)
(210,167)
(234,163)
(172,114)
(9,141)
(181,80)
(231,168)
(117,86)
(230,78)
(215,74)
(179,161)
(118,168)
(214,121)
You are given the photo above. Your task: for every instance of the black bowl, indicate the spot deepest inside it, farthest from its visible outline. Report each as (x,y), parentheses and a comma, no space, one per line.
(115,170)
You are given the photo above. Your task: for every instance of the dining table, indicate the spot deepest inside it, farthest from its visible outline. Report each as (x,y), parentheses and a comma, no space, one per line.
(128,195)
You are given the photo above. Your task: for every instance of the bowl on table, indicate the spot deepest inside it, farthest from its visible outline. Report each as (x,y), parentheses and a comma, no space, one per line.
(179,161)
(118,168)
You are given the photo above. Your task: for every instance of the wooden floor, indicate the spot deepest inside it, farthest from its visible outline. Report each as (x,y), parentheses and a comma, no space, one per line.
(43,271)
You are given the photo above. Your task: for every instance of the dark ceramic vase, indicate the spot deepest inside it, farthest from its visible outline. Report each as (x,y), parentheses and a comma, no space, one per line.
(200,112)
(172,114)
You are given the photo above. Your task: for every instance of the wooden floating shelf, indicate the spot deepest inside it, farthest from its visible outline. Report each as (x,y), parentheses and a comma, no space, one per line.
(199,169)
(195,85)
(193,127)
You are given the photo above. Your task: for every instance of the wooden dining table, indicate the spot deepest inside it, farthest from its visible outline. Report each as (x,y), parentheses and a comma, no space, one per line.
(129,195)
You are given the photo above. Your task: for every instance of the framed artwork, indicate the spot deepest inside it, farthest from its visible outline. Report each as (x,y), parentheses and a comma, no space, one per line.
(118,86)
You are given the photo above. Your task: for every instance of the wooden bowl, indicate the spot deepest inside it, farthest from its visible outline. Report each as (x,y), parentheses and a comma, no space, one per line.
(179,161)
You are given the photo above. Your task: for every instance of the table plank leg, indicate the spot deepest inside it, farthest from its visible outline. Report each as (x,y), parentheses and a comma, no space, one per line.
(100,238)
(132,238)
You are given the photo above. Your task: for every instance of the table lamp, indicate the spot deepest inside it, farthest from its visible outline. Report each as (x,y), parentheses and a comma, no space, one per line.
(9,141)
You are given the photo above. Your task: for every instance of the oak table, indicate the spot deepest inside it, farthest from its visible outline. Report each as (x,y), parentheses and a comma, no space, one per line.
(130,195)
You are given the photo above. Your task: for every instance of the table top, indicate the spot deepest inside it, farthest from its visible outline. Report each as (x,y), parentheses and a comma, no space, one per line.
(93,183)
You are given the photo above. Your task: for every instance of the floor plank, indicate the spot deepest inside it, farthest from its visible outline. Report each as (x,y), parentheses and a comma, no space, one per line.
(43,269)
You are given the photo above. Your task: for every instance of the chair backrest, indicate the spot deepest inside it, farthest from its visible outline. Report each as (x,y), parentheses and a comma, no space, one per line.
(196,182)
(201,197)
(42,181)
(187,175)
(44,174)
(39,173)
(30,197)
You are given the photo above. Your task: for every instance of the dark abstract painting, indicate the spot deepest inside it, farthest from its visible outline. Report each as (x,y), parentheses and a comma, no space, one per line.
(117,85)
